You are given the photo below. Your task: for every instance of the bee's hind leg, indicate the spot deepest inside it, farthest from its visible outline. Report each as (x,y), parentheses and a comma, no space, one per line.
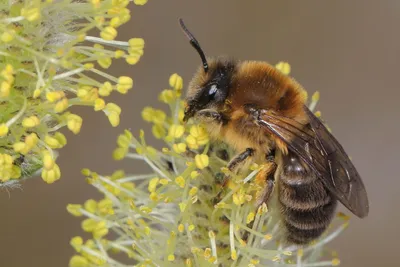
(266,182)
(266,179)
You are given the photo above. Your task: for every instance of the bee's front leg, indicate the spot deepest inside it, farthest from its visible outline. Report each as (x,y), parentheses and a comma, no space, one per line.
(240,159)
(233,166)
(212,115)
(237,162)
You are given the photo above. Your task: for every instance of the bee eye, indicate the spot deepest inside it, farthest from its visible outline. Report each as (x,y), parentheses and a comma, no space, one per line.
(213,90)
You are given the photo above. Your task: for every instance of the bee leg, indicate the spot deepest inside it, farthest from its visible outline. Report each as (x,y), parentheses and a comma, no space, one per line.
(235,163)
(233,166)
(211,114)
(266,177)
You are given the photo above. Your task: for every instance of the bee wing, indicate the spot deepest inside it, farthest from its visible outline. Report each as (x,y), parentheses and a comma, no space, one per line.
(324,155)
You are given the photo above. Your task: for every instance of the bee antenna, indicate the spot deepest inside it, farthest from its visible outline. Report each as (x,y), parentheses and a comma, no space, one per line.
(195,44)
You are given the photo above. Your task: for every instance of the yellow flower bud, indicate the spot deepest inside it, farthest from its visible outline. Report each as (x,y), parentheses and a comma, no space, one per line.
(76,242)
(74,123)
(132,59)
(284,67)
(140,2)
(105,62)
(19,147)
(6,167)
(180,181)
(8,73)
(113,107)
(124,140)
(201,161)
(3,129)
(99,20)
(147,114)
(99,104)
(54,96)
(51,175)
(90,205)
(119,153)
(191,141)
(88,225)
(5,89)
(159,116)
(105,206)
(193,191)
(119,53)
(78,261)
(194,174)
(61,105)
(113,118)
(48,161)
(176,131)
(153,184)
(7,37)
(105,89)
(113,111)
(167,96)
(115,22)
(81,37)
(179,148)
(56,141)
(88,66)
(108,33)
(30,122)
(124,84)
(36,93)
(100,230)
(31,141)
(60,138)
(137,43)
(95,3)
(51,142)
(158,131)
(87,93)
(176,82)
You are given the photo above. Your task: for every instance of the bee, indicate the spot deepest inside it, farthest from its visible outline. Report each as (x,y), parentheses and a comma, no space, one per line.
(261,114)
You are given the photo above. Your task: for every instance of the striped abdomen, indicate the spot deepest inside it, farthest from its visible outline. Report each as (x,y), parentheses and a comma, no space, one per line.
(307,207)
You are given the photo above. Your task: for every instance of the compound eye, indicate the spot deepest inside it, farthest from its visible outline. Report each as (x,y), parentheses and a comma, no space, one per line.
(213,90)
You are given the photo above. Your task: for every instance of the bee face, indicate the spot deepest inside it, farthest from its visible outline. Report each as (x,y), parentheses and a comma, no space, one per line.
(209,90)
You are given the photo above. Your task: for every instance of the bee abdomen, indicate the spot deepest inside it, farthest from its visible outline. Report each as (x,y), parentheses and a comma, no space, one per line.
(307,210)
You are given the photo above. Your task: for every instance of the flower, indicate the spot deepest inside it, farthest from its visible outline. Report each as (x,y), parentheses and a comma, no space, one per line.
(176,215)
(49,63)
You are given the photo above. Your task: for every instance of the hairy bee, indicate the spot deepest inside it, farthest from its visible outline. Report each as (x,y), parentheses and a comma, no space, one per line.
(261,113)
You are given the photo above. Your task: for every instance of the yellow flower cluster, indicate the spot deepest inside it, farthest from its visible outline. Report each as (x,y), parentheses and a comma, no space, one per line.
(45,71)
(179,214)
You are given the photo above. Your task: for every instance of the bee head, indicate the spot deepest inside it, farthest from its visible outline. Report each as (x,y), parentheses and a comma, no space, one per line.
(210,85)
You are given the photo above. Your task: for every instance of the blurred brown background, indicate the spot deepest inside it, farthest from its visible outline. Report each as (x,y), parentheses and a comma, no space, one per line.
(349,50)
